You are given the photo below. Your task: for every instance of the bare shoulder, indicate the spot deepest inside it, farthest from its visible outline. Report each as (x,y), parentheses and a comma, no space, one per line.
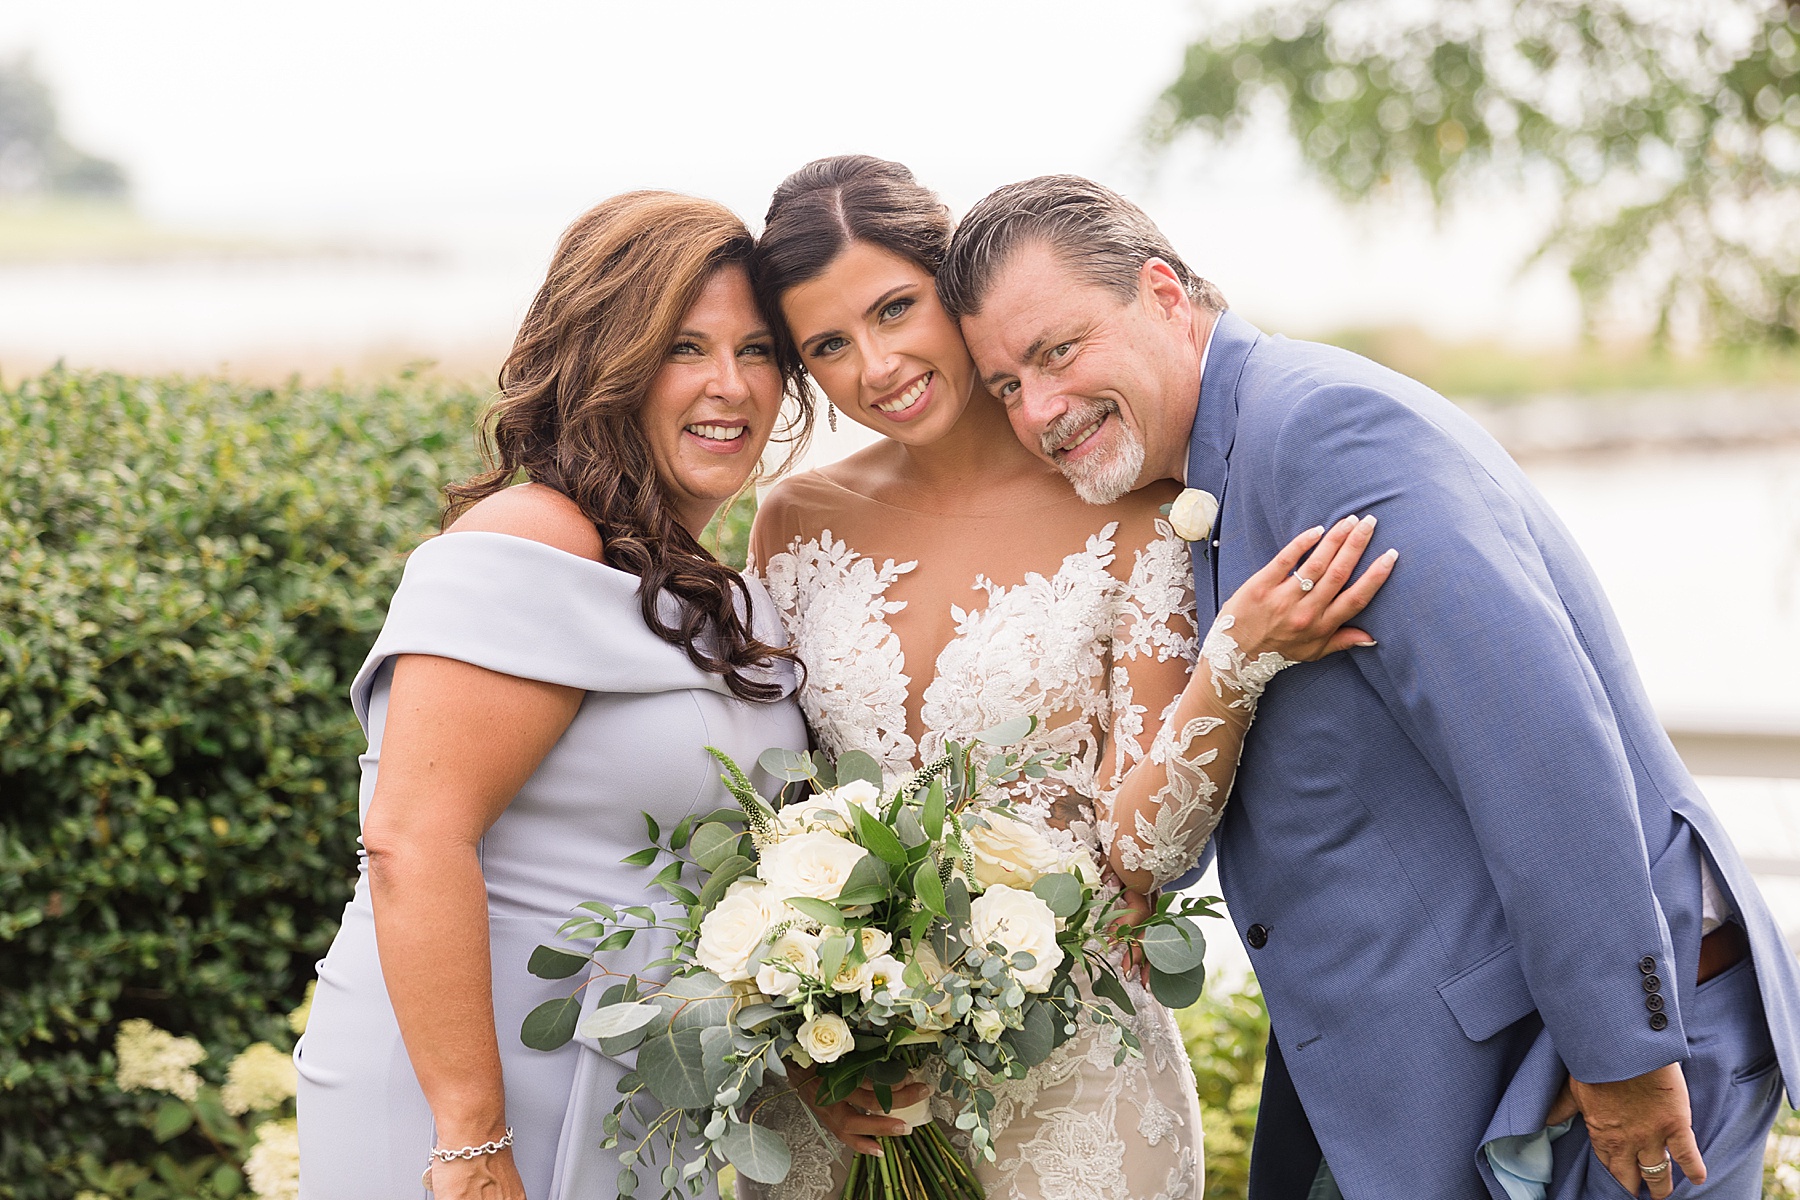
(536,512)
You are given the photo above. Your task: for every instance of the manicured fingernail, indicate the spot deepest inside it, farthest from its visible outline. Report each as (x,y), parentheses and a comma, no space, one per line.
(1316,530)
(1391,555)
(1369,520)
(1370,642)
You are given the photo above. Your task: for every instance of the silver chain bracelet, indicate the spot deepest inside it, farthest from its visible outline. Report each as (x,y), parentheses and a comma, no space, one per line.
(439,1155)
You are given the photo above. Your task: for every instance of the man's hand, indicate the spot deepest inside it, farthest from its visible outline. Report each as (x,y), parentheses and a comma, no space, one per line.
(1638,1123)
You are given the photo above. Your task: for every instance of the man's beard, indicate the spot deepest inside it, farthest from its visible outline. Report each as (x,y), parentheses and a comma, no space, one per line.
(1102,475)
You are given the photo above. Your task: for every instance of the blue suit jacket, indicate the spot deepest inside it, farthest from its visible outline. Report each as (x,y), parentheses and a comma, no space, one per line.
(1461,844)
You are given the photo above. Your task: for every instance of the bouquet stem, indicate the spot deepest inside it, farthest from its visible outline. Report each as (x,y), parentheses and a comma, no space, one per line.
(922,1165)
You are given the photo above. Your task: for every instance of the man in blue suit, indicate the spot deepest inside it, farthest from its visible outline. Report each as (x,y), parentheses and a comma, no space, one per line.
(1480,891)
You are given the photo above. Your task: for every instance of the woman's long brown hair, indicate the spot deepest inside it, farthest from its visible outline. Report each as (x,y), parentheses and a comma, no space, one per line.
(571,390)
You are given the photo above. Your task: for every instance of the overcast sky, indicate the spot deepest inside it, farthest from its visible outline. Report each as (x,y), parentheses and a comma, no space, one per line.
(465,125)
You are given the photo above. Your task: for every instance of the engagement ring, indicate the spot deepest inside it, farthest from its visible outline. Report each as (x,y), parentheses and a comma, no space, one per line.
(1306,585)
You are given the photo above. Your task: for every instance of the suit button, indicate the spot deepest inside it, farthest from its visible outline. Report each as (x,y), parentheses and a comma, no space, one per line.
(1654,1002)
(1652,983)
(1257,936)
(1647,965)
(1659,1021)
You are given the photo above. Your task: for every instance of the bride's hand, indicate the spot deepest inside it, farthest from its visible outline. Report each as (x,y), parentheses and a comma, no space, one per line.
(1273,611)
(1137,909)
(858,1121)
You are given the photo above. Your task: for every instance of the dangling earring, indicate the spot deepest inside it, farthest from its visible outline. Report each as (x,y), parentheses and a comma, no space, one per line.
(831,415)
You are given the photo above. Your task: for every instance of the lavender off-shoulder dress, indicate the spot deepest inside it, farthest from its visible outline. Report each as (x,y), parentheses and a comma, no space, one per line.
(637,744)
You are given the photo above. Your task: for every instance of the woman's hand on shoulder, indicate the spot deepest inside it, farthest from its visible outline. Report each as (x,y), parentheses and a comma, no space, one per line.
(1299,605)
(535,512)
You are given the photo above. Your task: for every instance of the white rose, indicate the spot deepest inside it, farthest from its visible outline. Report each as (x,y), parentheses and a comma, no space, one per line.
(1081,865)
(826,1038)
(853,977)
(988,1025)
(1010,852)
(824,811)
(1018,920)
(884,973)
(859,792)
(1193,513)
(733,931)
(794,956)
(813,864)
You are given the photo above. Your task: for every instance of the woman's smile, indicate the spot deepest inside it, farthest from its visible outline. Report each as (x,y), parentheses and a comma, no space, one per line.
(909,402)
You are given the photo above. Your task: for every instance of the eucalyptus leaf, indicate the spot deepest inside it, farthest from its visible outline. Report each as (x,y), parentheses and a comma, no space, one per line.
(1006,733)
(1061,891)
(701,1000)
(1177,990)
(1175,947)
(673,1068)
(549,963)
(782,763)
(854,764)
(615,1020)
(551,1024)
(759,1153)
(715,1044)
(1033,1043)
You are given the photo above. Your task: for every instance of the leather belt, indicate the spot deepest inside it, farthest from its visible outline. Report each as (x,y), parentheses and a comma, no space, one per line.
(1722,949)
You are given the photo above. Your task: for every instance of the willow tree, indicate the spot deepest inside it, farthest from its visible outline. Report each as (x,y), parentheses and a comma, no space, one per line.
(1669,131)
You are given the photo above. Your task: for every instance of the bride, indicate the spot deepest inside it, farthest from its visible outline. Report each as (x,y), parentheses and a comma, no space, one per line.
(946,579)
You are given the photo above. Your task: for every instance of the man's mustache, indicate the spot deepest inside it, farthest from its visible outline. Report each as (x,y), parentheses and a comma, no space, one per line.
(1073,422)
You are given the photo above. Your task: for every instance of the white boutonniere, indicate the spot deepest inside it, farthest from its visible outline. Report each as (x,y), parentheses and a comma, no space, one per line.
(1192,516)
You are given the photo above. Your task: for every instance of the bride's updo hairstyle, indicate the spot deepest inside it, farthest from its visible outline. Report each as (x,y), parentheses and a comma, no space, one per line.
(571,391)
(831,202)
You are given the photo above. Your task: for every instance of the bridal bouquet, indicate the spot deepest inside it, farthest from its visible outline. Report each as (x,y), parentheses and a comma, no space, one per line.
(868,932)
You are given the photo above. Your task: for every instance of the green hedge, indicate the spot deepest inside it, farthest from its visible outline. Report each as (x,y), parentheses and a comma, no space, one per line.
(190,574)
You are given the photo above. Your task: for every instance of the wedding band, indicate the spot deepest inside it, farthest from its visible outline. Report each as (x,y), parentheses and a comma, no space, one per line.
(1306,585)
(1657,1170)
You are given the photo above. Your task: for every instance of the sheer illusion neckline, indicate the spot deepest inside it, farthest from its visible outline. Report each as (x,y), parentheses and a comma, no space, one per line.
(892,706)
(1011,512)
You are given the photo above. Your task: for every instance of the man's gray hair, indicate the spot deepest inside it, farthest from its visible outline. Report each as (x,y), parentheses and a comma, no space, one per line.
(1103,236)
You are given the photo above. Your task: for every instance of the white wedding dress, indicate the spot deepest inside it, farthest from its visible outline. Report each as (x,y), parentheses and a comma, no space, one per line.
(1081,616)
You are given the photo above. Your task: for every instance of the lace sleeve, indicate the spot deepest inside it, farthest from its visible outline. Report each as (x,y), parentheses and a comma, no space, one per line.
(1167,801)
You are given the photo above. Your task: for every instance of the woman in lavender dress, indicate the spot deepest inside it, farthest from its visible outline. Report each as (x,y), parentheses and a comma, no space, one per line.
(551,667)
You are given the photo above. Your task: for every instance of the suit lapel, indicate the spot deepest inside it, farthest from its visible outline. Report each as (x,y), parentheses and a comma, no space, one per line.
(1209,447)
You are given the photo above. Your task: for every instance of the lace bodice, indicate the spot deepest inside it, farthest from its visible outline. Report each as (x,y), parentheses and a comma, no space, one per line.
(1095,638)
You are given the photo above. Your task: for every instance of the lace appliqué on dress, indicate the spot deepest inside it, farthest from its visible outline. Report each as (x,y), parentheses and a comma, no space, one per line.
(833,602)
(1190,803)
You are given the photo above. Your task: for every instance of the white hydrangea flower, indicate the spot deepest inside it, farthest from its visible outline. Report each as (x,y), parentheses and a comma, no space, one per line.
(152,1059)
(259,1078)
(273,1166)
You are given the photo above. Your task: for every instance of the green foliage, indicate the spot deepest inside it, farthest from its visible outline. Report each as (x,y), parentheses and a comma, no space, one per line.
(193,571)
(1670,133)
(1226,1033)
(1781,1161)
